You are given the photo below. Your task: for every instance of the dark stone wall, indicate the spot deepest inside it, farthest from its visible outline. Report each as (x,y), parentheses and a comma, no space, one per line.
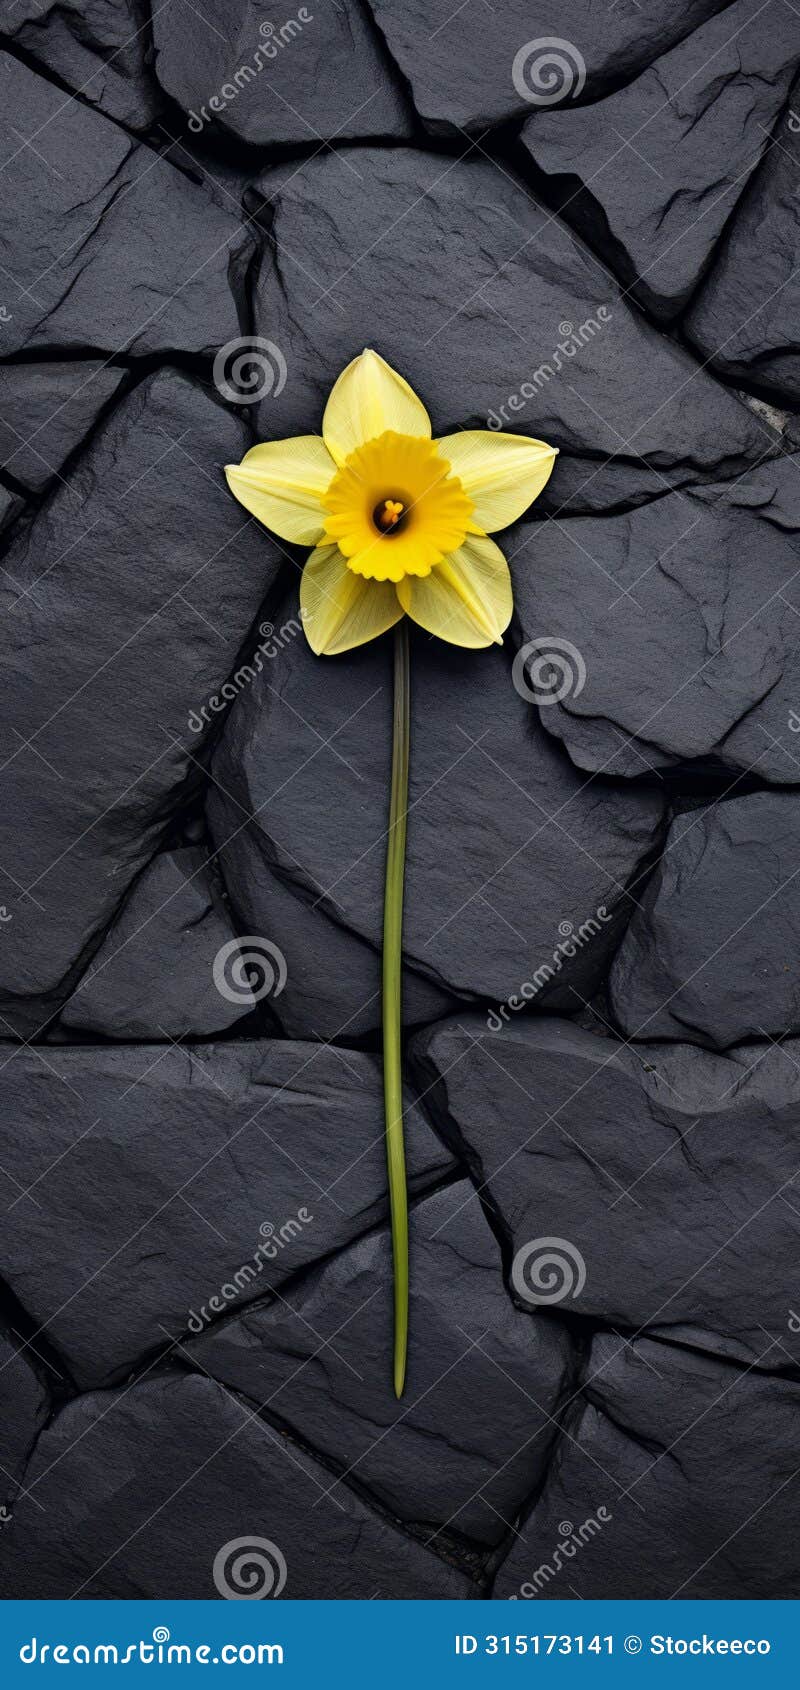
(583,228)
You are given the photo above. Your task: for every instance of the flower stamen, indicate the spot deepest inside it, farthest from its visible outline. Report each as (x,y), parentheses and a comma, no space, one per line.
(389,515)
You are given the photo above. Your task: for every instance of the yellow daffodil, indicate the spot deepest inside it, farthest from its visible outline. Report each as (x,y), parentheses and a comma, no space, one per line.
(399,522)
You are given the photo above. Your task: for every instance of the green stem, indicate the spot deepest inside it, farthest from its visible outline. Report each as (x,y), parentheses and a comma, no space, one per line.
(392,999)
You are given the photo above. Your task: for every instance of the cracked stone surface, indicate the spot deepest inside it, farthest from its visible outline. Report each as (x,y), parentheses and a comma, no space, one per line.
(313,764)
(209,1151)
(116,250)
(457,227)
(471,1449)
(126,600)
(688,655)
(175,909)
(24,1406)
(653,174)
(650,1429)
(127,1471)
(661,1165)
(739,320)
(99,50)
(577,223)
(426,35)
(711,953)
(48,411)
(296,82)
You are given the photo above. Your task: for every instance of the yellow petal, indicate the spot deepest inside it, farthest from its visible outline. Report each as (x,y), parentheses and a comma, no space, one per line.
(467,597)
(501,473)
(341,610)
(282,483)
(369,398)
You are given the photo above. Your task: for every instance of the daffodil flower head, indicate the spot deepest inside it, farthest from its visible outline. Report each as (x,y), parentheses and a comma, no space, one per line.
(400,522)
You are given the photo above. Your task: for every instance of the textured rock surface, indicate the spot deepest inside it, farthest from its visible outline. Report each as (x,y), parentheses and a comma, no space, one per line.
(123,608)
(174,912)
(685,615)
(23,1412)
(472,1442)
(668,1169)
(652,1427)
(471,287)
(99,49)
(742,319)
(427,35)
(47,412)
(105,242)
(653,174)
(333,985)
(312,763)
(712,954)
(577,222)
(305,79)
(182,1163)
(124,1515)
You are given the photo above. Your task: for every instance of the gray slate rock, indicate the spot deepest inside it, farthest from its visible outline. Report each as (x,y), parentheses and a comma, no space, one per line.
(24,1406)
(685,615)
(712,953)
(333,977)
(101,49)
(662,1433)
(470,1440)
(651,175)
(743,320)
(469,288)
(309,77)
(665,1170)
(47,411)
(153,975)
(155,1173)
(506,843)
(105,246)
(460,62)
(11,508)
(124,605)
(138,1496)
